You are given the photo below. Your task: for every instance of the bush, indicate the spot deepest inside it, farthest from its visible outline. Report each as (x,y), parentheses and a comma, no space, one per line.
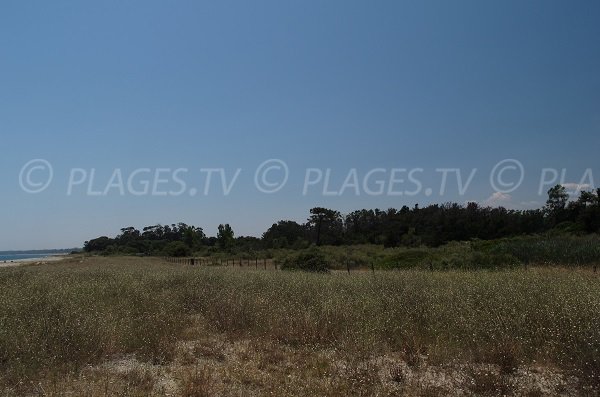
(177,248)
(397,258)
(547,250)
(311,260)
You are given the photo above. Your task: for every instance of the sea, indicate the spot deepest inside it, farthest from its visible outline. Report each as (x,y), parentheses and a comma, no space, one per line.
(13,257)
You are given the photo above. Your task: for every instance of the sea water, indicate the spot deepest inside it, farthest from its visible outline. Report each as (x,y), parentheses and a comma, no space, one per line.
(14,257)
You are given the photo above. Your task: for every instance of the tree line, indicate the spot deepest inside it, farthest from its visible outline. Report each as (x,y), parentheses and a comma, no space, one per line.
(433,225)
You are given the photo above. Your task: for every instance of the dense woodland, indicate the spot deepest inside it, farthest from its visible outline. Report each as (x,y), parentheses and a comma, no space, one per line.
(431,226)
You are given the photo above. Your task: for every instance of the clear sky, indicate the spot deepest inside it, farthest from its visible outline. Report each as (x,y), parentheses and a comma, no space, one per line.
(168,85)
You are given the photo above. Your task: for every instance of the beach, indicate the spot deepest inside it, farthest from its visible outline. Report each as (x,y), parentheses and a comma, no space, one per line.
(39,261)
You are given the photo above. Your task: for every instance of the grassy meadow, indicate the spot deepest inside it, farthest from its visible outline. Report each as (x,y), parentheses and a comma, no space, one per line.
(104,326)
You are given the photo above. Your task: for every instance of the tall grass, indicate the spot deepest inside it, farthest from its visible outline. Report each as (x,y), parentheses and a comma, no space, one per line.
(62,317)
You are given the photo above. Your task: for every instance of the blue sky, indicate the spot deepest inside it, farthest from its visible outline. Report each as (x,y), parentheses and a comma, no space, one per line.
(339,84)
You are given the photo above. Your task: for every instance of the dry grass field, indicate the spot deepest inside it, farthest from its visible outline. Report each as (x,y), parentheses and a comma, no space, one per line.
(126,326)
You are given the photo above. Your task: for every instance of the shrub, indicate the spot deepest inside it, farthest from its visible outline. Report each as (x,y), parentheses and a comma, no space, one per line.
(311,260)
(177,248)
(406,258)
(547,250)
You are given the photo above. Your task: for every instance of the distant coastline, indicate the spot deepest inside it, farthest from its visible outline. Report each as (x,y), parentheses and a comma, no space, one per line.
(20,256)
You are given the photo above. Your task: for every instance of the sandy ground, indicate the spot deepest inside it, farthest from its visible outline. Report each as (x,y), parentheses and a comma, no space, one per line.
(38,261)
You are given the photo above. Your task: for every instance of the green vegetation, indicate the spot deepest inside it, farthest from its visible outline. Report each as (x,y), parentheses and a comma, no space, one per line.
(485,299)
(560,249)
(311,260)
(58,320)
(554,250)
(432,226)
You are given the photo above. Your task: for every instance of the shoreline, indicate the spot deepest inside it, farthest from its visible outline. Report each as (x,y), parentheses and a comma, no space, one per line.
(40,261)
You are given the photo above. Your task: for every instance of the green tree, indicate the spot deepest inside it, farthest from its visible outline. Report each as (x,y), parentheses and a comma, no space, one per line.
(327,223)
(176,248)
(284,234)
(98,244)
(589,211)
(556,203)
(192,236)
(225,237)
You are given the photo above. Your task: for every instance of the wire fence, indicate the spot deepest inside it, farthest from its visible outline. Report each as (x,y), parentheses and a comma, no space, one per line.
(256,263)
(239,262)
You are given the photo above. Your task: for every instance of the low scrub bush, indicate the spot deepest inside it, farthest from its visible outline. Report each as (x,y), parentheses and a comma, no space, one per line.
(311,260)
